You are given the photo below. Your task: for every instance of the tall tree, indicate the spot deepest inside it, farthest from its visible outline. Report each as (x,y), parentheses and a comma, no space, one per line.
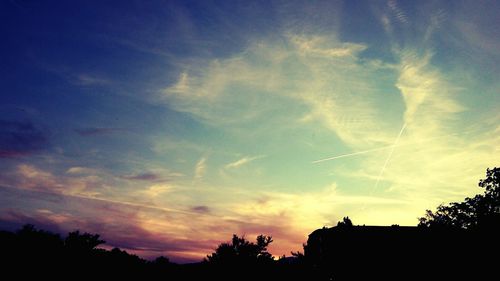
(480,211)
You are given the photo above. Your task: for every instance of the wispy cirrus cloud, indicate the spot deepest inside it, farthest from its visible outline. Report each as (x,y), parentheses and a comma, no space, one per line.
(398,13)
(200,168)
(326,81)
(313,62)
(243,161)
(85,79)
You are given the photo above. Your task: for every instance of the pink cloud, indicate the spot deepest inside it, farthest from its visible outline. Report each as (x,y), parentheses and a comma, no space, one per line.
(74,201)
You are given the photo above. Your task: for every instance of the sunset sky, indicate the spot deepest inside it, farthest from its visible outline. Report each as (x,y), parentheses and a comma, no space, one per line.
(167,126)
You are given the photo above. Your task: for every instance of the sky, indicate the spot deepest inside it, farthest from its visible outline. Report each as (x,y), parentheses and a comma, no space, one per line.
(168,126)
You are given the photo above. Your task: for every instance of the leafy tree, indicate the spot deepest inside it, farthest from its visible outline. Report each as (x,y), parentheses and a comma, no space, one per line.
(82,242)
(242,251)
(480,211)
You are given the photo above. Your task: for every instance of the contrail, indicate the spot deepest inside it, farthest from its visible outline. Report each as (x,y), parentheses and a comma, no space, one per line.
(388,158)
(352,154)
(387,147)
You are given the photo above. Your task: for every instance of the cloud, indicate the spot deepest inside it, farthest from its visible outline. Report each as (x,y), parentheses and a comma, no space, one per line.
(201,209)
(125,234)
(320,46)
(91,80)
(102,187)
(200,168)
(18,139)
(76,181)
(77,170)
(149,224)
(310,77)
(88,132)
(318,81)
(157,189)
(181,87)
(144,230)
(398,13)
(243,161)
(423,88)
(145,226)
(290,216)
(309,210)
(28,176)
(12,220)
(477,36)
(166,145)
(143,177)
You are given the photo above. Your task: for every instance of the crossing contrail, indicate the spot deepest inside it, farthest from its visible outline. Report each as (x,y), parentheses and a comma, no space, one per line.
(388,158)
(352,154)
(387,147)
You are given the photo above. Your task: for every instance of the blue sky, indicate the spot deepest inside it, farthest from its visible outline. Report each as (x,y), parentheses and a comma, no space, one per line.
(167,126)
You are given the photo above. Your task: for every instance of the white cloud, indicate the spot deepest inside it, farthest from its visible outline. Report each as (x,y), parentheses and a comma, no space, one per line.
(424,89)
(321,80)
(77,170)
(85,79)
(200,168)
(321,47)
(313,72)
(156,190)
(245,160)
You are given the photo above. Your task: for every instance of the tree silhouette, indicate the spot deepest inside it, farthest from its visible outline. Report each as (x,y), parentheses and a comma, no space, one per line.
(241,251)
(346,222)
(82,242)
(456,241)
(161,261)
(480,211)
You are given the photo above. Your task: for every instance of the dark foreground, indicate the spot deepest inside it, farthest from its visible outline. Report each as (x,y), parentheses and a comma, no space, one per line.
(459,241)
(338,253)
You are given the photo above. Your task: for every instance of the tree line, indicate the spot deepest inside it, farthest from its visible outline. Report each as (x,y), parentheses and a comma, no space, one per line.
(446,241)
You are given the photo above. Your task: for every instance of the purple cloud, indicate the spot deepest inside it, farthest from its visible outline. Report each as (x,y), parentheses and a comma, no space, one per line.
(13,220)
(121,221)
(201,209)
(19,139)
(87,132)
(142,177)
(124,234)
